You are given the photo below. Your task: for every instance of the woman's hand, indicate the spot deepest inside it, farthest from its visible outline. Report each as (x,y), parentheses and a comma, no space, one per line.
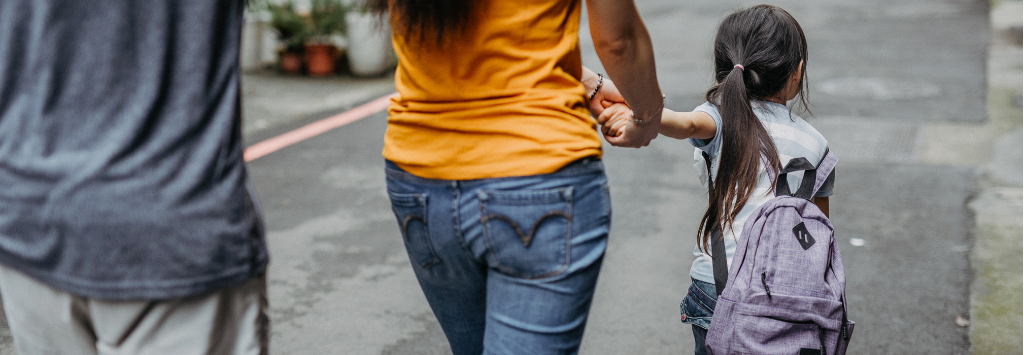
(620,130)
(606,94)
(606,97)
(632,135)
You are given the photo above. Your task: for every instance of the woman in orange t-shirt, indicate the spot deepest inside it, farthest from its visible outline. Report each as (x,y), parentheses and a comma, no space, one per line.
(493,160)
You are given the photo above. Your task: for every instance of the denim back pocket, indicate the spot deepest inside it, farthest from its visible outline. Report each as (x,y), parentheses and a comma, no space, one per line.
(411,212)
(528,232)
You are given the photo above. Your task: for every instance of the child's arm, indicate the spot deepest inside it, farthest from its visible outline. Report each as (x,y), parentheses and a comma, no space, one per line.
(678,125)
(683,125)
(822,203)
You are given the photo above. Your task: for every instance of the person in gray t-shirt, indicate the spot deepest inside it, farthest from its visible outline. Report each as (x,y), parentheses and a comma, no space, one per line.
(124,213)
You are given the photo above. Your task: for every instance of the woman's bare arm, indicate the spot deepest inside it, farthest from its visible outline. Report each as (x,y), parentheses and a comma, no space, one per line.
(624,46)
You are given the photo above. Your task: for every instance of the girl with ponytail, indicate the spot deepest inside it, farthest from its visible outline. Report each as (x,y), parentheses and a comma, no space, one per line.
(747,132)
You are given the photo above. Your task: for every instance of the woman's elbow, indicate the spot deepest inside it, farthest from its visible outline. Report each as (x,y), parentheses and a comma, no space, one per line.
(620,45)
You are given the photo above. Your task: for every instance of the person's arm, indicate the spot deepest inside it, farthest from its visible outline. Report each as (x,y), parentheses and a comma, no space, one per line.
(624,47)
(822,203)
(684,125)
(678,125)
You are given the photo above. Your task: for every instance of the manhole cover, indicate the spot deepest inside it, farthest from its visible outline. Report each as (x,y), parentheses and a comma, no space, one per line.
(878,88)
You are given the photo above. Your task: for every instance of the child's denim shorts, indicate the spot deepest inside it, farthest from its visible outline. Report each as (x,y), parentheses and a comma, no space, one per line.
(699,304)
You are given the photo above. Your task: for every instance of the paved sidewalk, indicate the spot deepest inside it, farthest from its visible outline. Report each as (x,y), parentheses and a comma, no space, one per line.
(996,293)
(990,146)
(273,104)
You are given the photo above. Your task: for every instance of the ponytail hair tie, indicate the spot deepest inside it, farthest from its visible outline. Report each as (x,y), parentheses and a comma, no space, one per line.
(739,66)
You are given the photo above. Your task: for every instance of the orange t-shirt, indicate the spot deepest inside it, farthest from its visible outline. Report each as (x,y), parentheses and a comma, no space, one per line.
(503,98)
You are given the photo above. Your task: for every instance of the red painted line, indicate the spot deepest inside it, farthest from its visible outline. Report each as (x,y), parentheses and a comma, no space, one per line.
(314,129)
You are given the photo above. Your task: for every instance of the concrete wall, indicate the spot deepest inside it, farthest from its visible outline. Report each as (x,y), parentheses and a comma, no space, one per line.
(259,42)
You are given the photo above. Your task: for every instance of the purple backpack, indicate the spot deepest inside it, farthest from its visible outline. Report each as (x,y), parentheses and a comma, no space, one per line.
(786,290)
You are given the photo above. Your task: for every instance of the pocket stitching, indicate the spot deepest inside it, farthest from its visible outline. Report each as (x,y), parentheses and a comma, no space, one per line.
(419,202)
(527,239)
(410,218)
(701,304)
(566,197)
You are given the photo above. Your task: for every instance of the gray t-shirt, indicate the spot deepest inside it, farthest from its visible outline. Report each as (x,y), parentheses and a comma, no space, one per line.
(793,138)
(121,171)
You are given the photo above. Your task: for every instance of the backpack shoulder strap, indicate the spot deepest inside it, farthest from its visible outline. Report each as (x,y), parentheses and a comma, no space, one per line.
(814,177)
(825,168)
(719,265)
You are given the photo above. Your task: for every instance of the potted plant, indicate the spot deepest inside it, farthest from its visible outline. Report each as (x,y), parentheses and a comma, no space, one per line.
(369,43)
(292,32)
(326,18)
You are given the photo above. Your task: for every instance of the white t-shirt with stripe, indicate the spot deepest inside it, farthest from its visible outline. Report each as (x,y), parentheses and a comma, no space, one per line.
(793,138)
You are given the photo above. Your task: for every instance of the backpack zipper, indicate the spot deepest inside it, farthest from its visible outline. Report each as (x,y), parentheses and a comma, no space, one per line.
(843,327)
(764,282)
(821,339)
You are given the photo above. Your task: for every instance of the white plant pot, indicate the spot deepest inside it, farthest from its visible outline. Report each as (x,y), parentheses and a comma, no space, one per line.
(369,44)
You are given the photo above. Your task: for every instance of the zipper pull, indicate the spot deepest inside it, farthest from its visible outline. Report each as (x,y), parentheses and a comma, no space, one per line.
(845,335)
(765,283)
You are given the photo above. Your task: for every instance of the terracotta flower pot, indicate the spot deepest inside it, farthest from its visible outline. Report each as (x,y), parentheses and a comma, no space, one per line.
(320,59)
(290,62)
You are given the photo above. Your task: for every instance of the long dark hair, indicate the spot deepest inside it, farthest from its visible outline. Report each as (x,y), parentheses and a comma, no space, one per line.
(423,20)
(769,45)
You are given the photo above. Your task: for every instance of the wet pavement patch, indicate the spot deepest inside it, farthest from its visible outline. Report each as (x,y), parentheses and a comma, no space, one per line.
(879,140)
(429,342)
(879,88)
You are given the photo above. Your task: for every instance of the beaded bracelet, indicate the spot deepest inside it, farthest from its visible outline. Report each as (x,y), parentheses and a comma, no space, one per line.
(600,81)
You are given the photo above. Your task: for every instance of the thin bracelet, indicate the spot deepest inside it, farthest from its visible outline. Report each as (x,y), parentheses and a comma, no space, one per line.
(640,122)
(600,81)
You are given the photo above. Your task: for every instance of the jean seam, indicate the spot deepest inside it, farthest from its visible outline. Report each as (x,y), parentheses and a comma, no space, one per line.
(607,202)
(457,220)
(702,305)
(569,227)
(705,293)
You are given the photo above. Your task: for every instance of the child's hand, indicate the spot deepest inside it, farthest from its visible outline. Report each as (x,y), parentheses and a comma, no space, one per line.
(614,118)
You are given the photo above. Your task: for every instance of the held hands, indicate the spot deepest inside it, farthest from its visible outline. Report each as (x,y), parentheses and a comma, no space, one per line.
(606,96)
(626,133)
(619,129)
(613,119)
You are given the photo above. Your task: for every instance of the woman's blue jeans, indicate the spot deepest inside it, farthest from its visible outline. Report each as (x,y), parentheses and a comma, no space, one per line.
(508,265)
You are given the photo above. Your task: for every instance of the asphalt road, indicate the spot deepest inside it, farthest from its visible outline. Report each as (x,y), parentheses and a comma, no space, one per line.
(880,73)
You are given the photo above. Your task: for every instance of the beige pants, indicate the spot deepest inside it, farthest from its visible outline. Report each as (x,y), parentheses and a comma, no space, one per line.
(44,320)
